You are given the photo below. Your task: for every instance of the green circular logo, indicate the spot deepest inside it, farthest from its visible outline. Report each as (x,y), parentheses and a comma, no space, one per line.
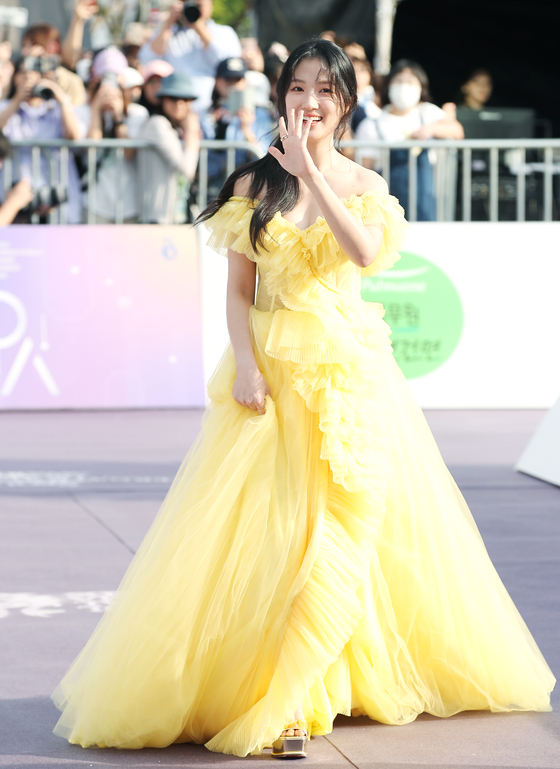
(423,309)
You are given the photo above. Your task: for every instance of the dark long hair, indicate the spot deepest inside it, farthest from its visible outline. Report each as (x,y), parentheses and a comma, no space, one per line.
(417,70)
(282,189)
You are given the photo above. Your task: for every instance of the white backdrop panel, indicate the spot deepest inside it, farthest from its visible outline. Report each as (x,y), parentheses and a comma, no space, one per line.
(508,279)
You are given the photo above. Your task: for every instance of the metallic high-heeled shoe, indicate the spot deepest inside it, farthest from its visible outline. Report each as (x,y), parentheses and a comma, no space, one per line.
(291,747)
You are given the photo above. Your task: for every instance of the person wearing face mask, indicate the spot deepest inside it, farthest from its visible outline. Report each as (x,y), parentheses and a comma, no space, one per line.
(408,113)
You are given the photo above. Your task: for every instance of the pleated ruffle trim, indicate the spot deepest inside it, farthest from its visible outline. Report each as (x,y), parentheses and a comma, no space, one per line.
(230,229)
(313,640)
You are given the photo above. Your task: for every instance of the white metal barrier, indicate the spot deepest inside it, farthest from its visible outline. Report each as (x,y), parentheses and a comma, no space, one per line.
(57,153)
(459,165)
(496,180)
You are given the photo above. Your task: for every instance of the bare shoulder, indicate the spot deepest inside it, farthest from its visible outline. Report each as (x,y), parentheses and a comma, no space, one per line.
(369,181)
(242,186)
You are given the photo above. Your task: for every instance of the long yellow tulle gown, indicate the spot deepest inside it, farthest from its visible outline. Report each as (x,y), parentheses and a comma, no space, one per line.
(319,554)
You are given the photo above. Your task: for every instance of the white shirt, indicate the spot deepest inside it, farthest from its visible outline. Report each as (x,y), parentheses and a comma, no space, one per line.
(159,169)
(393,128)
(186,53)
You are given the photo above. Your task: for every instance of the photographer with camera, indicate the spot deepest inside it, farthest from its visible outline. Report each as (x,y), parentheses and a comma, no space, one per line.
(38,108)
(44,40)
(239,113)
(193,44)
(111,113)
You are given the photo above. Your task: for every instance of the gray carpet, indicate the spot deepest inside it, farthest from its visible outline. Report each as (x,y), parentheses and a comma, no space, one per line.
(78,490)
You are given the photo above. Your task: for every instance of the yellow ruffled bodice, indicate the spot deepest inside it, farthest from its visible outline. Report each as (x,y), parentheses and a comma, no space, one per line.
(330,336)
(291,257)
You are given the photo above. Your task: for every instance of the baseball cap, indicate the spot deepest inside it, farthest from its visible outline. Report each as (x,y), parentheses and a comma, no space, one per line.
(231,68)
(157,67)
(131,78)
(177,86)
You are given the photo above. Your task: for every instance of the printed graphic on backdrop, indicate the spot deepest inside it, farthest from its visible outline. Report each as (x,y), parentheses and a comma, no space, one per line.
(423,309)
(99,317)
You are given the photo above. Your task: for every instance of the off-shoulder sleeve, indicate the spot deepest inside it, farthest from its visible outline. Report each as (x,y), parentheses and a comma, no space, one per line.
(229,227)
(384,210)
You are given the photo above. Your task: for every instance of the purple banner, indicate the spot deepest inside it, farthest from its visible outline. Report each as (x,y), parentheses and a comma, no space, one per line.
(99,317)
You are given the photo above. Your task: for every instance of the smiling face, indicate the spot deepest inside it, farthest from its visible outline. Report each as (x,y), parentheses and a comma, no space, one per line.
(311,91)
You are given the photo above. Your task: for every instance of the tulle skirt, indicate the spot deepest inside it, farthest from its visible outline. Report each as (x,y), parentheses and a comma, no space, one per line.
(264,583)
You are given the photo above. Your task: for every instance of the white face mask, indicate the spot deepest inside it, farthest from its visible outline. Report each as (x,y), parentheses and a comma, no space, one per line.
(404,95)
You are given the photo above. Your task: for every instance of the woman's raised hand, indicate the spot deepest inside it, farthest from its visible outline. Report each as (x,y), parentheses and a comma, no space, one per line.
(295,159)
(250,389)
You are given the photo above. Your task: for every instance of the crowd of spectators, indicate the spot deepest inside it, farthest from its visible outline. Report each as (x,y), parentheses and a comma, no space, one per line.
(186,80)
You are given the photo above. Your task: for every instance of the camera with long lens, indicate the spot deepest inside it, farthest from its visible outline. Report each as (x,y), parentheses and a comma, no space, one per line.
(46,198)
(191,11)
(43,65)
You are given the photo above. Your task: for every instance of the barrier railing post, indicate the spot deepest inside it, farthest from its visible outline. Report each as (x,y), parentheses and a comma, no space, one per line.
(91,179)
(119,208)
(467,184)
(203,179)
(35,176)
(494,189)
(230,161)
(64,176)
(54,214)
(548,160)
(412,212)
(386,165)
(520,198)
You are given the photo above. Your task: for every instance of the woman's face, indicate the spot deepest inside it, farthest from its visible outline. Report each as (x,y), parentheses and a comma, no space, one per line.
(223,84)
(405,91)
(363,76)
(479,88)
(133,94)
(175,109)
(311,91)
(30,78)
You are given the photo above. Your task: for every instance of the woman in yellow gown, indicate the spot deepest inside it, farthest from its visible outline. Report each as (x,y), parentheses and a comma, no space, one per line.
(313,555)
